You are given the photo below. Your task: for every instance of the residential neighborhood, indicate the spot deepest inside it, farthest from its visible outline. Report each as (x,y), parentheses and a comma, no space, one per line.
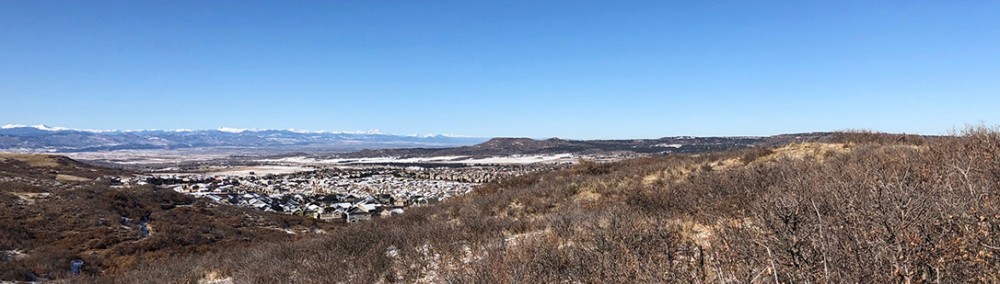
(347,194)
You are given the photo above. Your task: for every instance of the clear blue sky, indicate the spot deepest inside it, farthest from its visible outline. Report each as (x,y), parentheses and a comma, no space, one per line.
(572,69)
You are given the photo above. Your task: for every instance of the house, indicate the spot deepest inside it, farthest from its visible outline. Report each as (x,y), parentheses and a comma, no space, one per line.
(312,214)
(417,200)
(384,198)
(382,212)
(357,213)
(354,218)
(352,198)
(259,204)
(313,211)
(391,200)
(332,214)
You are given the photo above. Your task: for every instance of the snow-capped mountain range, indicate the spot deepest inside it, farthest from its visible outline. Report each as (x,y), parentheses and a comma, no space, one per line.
(61,139)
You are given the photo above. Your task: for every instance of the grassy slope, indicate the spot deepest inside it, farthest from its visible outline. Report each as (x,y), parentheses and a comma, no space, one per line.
(874,209)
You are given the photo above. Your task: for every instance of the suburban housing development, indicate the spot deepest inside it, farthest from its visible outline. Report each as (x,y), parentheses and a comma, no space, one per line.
(348,193)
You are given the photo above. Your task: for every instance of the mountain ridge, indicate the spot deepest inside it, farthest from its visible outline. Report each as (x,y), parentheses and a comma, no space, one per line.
(43,138)
(506,146)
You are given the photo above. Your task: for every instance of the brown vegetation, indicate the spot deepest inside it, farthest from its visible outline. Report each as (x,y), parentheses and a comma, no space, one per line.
(46,221)
(869,209)
(866,210)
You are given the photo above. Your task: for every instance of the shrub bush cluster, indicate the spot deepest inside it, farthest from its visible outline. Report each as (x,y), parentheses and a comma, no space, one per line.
(883,210)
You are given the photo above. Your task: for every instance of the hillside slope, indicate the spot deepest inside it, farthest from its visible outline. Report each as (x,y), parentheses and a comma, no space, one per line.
(54,210)
(865,209)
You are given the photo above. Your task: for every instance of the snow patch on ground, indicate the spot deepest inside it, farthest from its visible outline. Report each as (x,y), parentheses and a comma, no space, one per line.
(664,145)
(500,160)
(244,171)
(262,170)
(521,160)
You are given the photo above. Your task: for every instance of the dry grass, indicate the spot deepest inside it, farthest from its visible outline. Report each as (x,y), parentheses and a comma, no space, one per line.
(48,223)
(877,210)
(801,151)
(33,160)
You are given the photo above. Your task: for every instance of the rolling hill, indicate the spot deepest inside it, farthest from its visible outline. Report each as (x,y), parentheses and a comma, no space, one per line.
(855,207)
(54,210)
(528,146)
(865,208)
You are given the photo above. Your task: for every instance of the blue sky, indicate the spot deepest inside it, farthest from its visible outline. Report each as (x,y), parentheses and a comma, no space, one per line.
(572,69)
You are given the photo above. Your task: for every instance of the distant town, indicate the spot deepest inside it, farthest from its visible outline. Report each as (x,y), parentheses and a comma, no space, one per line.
(346,194)
(370,184)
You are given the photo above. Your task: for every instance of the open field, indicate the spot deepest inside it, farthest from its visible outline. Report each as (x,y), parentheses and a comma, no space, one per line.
(463,160)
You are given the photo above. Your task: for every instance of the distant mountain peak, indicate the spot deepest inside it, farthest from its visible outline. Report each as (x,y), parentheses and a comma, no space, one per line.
(43,137)
(37,126)
(233,130)
(236,130)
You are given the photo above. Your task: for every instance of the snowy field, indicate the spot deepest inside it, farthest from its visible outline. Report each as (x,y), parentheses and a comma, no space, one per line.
(138,157)
(261,170)
(244,171)
(503,160)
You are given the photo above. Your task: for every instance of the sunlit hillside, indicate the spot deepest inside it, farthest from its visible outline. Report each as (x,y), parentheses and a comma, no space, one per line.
(868,208)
